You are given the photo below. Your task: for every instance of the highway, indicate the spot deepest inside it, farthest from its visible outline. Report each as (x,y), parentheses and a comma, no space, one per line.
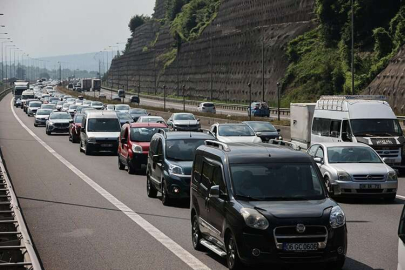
(84,213)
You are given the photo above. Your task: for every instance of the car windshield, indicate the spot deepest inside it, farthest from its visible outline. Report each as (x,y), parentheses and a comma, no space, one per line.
(48,106)
(183,116)
(96,104)
(121,107)
(235,130)
(277,181)
(72,107)
(60,103)
(44,112)
(144,134)
(208,105)
(60,116)
(376,127)
(35,104)
(124,116)
(182,150)
(78,118)
(138,111)
(103,125)
(344,154)
(262,127)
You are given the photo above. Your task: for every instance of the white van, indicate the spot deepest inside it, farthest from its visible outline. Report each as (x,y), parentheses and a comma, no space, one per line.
(364,119)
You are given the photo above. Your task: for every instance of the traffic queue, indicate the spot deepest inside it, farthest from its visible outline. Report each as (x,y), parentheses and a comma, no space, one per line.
(254,199)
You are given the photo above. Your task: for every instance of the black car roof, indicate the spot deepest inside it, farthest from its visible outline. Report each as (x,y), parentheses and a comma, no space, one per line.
(260,153)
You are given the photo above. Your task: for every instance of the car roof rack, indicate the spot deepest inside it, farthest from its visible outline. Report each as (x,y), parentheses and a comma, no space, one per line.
(218,144)
(354,97)
(285,143)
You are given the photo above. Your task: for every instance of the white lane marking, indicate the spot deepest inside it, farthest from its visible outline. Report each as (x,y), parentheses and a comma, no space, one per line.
(175,248)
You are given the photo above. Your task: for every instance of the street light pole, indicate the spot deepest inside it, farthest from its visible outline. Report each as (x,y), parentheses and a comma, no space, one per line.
(184,98)
(263,88)
(164,98)
(250,101)
(352,64)
(278,101)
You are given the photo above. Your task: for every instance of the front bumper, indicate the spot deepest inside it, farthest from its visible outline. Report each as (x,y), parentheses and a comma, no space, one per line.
(40,121)
(137,160)
(103,146)
(178,187)
(58,129)
(186,128)
(343,188)
(250,239)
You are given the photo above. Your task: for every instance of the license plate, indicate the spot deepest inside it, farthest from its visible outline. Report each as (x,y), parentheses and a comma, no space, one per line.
(370,186)
(300,246)
(106,145)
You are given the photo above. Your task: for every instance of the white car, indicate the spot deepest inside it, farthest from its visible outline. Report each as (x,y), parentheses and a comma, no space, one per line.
(97,105)
(122,108)
(354,169)
(151,119)
(241,133)
(41,117)
(207,107)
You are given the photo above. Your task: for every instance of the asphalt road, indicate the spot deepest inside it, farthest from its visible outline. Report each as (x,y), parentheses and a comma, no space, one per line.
(74,226)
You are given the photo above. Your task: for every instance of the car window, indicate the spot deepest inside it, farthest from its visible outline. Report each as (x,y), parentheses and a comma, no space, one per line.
(335,128)
(312,150)
(124,133)
(153,145)
(159,150)
(197,169)
(217,179)
(207,171)
(344,154)
(319,153)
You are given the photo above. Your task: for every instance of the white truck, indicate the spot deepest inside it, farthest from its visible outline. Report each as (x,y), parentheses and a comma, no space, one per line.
(86,84)
(364,119)
(96,85)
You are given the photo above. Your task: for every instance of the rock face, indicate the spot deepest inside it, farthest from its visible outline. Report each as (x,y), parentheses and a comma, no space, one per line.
(391,83)
(230,53)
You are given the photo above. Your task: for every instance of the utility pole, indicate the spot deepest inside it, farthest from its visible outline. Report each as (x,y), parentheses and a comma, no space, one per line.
(263,88)
(184,98)
(164,98)
(352,67)
(250,101)
(139,84)
(211,77)
(278,101)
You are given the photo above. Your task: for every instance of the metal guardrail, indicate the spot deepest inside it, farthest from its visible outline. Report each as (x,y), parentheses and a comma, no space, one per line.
(226,106)
(16,248)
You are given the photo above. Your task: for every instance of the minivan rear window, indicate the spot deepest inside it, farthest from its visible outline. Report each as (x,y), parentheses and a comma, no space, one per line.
(103,125)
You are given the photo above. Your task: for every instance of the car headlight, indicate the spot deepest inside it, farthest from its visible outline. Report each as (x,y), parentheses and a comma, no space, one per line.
(343,176)
(137,149)
(91,140)
(174,169)
(337,217)
(392,176)
(50,123)
(254,219)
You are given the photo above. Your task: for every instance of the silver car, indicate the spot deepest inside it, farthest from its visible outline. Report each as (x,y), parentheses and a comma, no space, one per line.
(354,169)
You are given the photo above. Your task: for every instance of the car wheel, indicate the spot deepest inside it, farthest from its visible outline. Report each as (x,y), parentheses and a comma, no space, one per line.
(165,196)
(151,191)
(232,257)
(35,125)
(131,169)
(338,265)
(87,151)
(74,140)
(329,186)
(196,234)
(120,165)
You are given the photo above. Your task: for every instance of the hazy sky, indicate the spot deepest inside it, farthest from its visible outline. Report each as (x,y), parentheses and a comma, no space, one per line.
(61,27)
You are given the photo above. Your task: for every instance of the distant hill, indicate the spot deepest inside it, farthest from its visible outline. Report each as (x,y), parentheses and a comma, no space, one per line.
(85,61)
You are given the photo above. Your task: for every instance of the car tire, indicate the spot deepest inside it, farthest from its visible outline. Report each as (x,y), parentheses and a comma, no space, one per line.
(338,265)
(80,147)
(131,169)
(151,191)
(35,125)
(232,258)
(165,196)
(87,151)
(47,132)
(196,234)
(120,165)
(329,186)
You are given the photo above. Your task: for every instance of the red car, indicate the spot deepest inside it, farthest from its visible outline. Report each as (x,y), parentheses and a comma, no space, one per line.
(134,144)
(74,128)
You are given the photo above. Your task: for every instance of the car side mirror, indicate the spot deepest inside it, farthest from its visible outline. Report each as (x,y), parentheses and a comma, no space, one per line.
(83,129)
(198,119)
(214,192)
(156,158)
(278,130)
(258,134)
(70,121)
(318,160)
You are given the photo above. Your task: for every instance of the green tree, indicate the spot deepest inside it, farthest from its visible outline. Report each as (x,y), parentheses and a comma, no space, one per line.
(383,43)
(137,21)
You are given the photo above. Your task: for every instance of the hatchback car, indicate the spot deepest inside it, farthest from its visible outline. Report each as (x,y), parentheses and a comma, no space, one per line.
(264,204)
(264,130)
(41,117)
(58,122)
(134,144)
(124,118)
(33,106)
(136,113)
(74,128)
(110,107)
(135,99)
(207,107)
(122,108)
(234,133)
(97,105)
(169,165)
(184,122)
(72,109)
(354,169)
(259,109)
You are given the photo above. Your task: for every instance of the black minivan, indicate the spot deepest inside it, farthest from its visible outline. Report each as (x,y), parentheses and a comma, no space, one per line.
(264,204)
